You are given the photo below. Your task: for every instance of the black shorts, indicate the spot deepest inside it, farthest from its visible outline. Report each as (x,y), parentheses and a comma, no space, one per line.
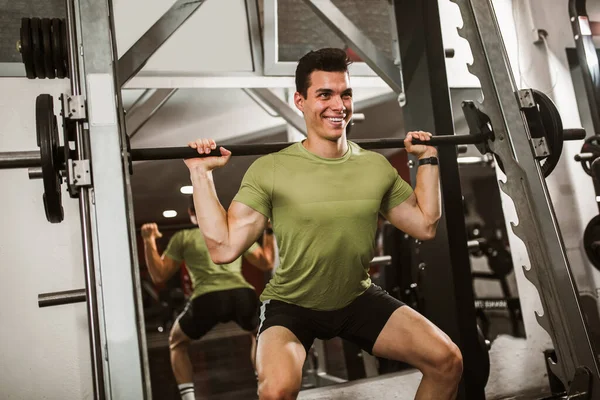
(359,322)
(202,313)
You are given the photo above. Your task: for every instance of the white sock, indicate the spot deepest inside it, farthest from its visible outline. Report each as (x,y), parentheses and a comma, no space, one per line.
(186,390)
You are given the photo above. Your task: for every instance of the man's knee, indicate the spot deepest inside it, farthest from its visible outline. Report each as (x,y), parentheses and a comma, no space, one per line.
(277,389)
(447,364)
(177,338)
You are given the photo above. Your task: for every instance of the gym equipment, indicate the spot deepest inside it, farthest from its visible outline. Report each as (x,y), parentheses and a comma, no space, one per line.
(591,241)
(43,48)
(58,161)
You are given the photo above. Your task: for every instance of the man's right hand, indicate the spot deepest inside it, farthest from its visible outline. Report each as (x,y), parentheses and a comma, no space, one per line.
(150,231)
(205,146)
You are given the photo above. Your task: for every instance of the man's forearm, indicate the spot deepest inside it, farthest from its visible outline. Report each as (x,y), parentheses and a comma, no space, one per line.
(153,260)
(212,217)
(427,190)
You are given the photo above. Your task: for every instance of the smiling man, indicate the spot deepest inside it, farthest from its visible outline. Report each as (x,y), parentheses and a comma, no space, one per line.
(323,196)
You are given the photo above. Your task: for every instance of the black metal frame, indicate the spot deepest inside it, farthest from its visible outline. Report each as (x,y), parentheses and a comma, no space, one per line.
(447,288)
(588,58)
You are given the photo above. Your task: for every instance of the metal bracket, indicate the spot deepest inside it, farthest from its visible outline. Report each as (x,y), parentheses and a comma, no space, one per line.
(540,147)
(526,99)
(79,173)
(74,107)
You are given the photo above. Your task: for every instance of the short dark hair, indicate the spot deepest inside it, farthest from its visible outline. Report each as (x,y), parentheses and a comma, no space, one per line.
(327,59)
(191,204)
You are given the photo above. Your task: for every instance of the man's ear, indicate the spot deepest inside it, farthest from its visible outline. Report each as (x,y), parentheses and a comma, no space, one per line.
(299,101)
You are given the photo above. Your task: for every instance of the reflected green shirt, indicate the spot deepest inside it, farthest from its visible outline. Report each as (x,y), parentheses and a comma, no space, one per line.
(324,215)
(189,246)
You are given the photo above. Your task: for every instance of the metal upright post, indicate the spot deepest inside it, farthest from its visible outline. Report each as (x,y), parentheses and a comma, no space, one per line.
(124,356)
(442,263)
(82,145)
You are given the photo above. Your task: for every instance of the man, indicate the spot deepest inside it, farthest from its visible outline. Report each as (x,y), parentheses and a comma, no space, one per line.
(323,196)
(221,293)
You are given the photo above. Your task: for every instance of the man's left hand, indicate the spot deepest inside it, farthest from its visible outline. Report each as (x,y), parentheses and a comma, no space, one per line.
(419,150)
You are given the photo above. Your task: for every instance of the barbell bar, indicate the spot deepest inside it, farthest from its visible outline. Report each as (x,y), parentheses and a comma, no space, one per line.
(32,159)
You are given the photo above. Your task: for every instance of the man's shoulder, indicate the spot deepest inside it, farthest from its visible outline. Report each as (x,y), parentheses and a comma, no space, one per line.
(369,155)
(267,160)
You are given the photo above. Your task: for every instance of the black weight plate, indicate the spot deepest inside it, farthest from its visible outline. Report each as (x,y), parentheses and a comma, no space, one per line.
(38,49)
(65,48)
(591,241)
(47,131)
(57,58)
(591,145)
(27,49)
(46,29)
(554,130)
(499,259)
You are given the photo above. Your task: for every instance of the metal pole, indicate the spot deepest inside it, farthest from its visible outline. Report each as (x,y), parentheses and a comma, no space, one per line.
(60,298)
(83,153)
(20,159)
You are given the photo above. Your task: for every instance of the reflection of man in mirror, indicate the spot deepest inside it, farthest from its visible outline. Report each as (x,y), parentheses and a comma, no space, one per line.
(220,292)
(323,196)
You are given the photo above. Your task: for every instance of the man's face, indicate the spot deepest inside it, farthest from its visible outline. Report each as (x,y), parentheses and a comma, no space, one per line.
(328,105)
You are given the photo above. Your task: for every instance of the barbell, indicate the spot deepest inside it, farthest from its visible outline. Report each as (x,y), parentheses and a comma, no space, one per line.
(55,163)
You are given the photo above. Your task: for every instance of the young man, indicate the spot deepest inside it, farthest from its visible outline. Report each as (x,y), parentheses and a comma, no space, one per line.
(221,293)
(323,196)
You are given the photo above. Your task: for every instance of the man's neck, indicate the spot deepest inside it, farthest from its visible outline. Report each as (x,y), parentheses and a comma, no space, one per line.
(326,148)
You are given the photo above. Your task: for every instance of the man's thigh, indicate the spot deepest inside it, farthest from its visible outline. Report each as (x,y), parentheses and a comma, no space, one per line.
(280,357)
(410,337)
(366,317)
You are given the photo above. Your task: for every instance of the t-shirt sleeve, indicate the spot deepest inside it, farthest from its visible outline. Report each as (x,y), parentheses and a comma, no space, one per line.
(175,247)
(252,248)
(257,186)
(399,191)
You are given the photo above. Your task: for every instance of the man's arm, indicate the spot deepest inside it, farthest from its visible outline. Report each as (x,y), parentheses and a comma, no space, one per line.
(227,233)
(418,216)
(263,257)
(160,268)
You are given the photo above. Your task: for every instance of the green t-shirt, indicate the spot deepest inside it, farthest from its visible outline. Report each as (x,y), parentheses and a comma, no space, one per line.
(324,215)
(189,246)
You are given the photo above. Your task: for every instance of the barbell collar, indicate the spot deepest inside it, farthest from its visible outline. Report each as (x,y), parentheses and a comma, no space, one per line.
(20,159)
(574,134)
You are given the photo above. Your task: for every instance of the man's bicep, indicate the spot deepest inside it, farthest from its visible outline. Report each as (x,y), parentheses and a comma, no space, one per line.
(406,216)
(245,225)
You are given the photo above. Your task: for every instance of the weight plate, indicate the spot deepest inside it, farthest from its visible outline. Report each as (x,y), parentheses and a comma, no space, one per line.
(46,30)
(65,49)
(499,258)
(57,57)
(38,49)
(26,48)
(591,145)
(591,241)
(554,130)
(47,131)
